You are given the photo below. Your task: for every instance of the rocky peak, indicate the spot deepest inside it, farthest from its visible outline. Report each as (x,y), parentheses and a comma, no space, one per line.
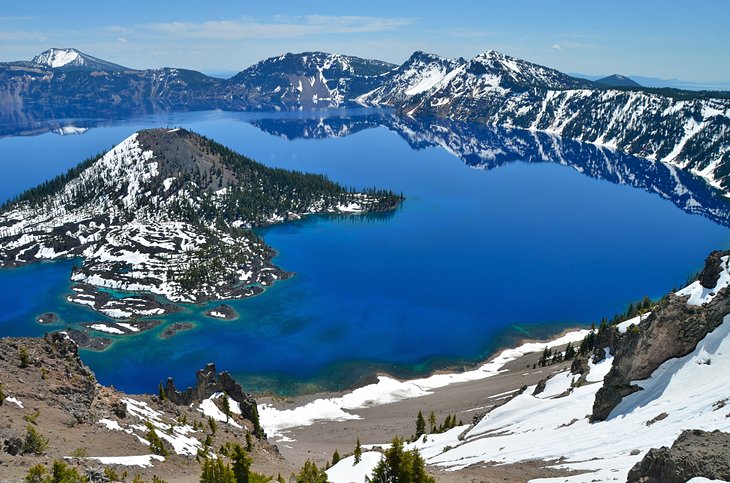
(68,58)
(515,72)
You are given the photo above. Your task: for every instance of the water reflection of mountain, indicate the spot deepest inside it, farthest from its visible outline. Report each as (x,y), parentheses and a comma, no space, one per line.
(477,145)
(486,147)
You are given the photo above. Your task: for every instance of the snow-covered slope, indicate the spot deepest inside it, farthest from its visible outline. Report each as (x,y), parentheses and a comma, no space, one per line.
(687,392)
(689,131)
(73,59)
(418,74)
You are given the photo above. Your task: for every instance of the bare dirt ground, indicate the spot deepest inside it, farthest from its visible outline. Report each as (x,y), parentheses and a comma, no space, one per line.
(380,424)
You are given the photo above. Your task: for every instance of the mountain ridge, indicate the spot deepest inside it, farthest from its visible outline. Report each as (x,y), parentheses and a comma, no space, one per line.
(685,129)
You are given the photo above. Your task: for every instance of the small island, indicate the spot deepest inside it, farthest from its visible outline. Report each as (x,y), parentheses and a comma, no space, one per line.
(168,216)
(171,330)
(48,318)
(223,311)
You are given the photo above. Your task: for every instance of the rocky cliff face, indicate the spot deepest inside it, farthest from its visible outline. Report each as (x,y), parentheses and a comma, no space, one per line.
(694,454)
(673,330)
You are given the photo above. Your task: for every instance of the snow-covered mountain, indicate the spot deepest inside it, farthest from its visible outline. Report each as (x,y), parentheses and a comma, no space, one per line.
(308,80)
(74,59)
(167,212)
(418,74)
(687,130)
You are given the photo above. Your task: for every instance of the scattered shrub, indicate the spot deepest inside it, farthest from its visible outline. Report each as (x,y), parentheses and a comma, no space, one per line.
(34,443)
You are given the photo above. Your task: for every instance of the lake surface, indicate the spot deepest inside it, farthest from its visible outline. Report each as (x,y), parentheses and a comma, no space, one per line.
(544,235)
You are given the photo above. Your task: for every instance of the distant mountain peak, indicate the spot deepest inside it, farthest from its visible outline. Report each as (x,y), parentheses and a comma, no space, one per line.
(70,58)
(57,57)
(491,54)
(617,80)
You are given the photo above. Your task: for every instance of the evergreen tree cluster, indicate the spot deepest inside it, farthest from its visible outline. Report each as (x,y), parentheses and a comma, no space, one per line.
(450,422)
(237,470)
(400,466)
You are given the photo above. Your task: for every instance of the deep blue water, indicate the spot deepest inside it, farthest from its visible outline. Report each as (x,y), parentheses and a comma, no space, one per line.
(472,260)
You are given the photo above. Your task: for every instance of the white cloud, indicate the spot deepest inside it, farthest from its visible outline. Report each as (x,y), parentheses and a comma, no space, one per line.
(307,25)
(557,47)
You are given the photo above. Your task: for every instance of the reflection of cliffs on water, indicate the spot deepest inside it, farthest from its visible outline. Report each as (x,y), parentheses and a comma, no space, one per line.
(307,127)
(486,147)
(36,119)
(477,145)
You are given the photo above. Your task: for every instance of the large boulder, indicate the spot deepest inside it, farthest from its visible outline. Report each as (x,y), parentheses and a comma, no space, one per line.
(694,454)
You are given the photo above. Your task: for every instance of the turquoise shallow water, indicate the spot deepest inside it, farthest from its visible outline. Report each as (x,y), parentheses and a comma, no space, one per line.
(473,260)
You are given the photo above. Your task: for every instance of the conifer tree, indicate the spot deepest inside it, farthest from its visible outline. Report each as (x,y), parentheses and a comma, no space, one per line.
(420,425)
(214,471)
(226,406)
(311,474)
(241,464)
(358,451)
(335,457)
(432,421)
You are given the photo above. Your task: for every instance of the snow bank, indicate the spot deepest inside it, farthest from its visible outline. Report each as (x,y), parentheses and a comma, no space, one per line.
(388,390)
(106,328)
(14,401)
(210,409)
(171,431)
(144,461)
(346,471)
(110,424)
(699,295)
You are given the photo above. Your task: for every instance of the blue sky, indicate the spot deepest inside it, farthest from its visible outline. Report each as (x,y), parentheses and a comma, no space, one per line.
(668,39)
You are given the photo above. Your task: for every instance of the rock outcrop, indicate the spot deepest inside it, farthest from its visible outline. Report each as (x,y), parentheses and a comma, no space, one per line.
(672,330)
(209,382)
(713,268)
(694,454)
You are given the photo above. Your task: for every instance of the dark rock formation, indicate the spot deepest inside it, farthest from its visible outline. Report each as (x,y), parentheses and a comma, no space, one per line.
(540,386)
(713,268)
(209,382)
(694,454)
(84,341)
(672,330)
